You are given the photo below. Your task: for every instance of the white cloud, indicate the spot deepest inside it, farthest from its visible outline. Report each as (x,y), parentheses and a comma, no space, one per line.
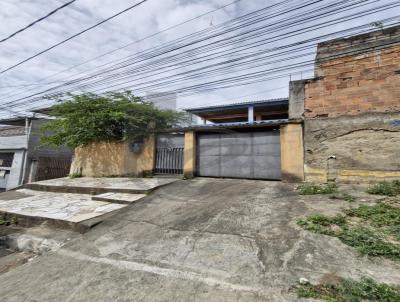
(153,16)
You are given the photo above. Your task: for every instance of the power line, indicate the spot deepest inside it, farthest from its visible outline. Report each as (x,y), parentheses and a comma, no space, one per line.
(179,55)
(37,21)
(119,48)
(73,36)
(212,47)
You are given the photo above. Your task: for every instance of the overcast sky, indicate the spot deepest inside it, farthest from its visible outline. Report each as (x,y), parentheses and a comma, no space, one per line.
(149,18)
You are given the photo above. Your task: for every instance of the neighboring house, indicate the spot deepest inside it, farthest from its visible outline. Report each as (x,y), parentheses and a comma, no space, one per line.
(343,125)
(350,111)
(22,159)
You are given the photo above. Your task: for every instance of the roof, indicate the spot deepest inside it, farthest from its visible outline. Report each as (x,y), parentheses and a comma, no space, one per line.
(45,110)
(243,125)
(239,105)
(15,120)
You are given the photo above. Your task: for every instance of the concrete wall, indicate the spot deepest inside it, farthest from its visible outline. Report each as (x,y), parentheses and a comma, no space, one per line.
(102,159)
(189,165)
(352,110)
(362,147)
(292,152)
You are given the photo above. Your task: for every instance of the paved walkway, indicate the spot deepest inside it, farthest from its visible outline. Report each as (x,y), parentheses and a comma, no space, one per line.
(199,240)
(58,206)
(52,200)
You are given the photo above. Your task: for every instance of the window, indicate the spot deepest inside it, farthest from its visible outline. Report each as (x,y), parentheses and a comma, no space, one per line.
(6,159)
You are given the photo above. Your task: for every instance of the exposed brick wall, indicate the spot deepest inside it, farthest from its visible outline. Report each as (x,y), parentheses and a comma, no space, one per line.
(357,84)
(352,109)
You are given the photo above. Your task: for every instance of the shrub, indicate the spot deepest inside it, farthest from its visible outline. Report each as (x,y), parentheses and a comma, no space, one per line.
(118,116)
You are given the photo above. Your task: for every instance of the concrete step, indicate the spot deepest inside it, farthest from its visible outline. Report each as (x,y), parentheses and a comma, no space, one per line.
(121,198)
(82,189)
(96,186)
(77,212)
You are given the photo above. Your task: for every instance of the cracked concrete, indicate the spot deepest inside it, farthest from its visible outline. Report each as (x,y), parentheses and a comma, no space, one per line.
(199,240)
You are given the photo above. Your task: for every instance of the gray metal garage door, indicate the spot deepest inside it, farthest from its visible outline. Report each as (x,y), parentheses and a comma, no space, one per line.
(243,155)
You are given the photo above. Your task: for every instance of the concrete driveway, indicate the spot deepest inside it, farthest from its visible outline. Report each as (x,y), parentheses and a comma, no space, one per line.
(198,240)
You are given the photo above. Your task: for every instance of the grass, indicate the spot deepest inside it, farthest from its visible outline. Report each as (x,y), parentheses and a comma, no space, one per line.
(313,189)
(348,290)
(376,231)
(386,188)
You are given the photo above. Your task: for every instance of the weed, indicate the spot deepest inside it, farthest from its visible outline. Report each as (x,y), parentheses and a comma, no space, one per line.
(6,221)
(385,188)
(382,219)
(75,175)
(369,242)
(378,215)
(395,231)
(343,196)
(321,224)
(350,290)
(313,189)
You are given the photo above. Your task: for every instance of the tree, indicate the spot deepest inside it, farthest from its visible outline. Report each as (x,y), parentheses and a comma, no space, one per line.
(89,117)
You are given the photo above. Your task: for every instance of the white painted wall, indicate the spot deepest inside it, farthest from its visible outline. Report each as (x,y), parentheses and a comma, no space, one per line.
(15,176)
(13,142)
(17,145)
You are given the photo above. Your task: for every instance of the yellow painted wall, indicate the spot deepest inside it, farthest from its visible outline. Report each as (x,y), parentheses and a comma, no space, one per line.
(292,154)
(350,176)
(189,166)
(113,159)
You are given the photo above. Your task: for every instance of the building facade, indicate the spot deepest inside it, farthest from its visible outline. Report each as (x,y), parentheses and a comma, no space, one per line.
(342,125)
(23,160)
(351,109)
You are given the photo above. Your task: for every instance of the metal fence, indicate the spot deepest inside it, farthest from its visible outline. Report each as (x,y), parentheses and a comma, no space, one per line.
(50,168)
(169,161)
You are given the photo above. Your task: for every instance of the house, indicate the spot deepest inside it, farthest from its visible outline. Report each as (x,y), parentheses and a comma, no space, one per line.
(350,110)
(22,160)
(242,140)
(341,125)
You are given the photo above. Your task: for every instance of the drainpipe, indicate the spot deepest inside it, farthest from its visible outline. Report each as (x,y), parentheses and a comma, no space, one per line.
(28,126)
(251,114)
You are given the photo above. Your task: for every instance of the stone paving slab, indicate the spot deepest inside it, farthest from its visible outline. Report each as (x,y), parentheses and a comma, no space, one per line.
(89,185)
(122,198)
(71,208)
